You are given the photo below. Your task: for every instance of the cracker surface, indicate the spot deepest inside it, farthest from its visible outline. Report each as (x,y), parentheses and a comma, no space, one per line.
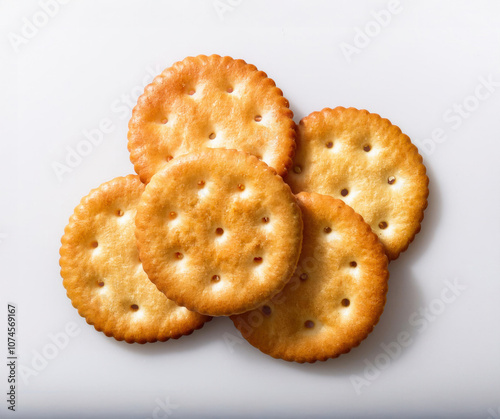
(103,275)
(336,294)
(370,164)
(218,231)
(210,102)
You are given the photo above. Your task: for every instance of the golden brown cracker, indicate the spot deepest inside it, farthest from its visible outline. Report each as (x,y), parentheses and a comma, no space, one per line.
(218,231)
(370,164)
(210,102)
(104,277)
(336,294)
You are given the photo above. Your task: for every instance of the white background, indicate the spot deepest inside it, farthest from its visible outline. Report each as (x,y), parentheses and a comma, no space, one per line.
(71,76)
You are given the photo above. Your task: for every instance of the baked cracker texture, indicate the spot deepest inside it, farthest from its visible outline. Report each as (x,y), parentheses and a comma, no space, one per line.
(218,231)
(103,275)
(210,102)
(336,294)
(370,164)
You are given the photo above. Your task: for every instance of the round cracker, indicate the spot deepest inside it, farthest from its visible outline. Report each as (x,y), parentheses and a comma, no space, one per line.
(218,231)
(336,294)
(210,102)
(103,275)
(370,164)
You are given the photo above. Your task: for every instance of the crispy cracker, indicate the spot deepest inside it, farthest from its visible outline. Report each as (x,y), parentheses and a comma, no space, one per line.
(335,296)
(218,231)
(370,164)
(210,102)
(103,275)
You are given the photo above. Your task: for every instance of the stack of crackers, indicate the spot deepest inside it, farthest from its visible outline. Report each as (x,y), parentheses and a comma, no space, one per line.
(236,211)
